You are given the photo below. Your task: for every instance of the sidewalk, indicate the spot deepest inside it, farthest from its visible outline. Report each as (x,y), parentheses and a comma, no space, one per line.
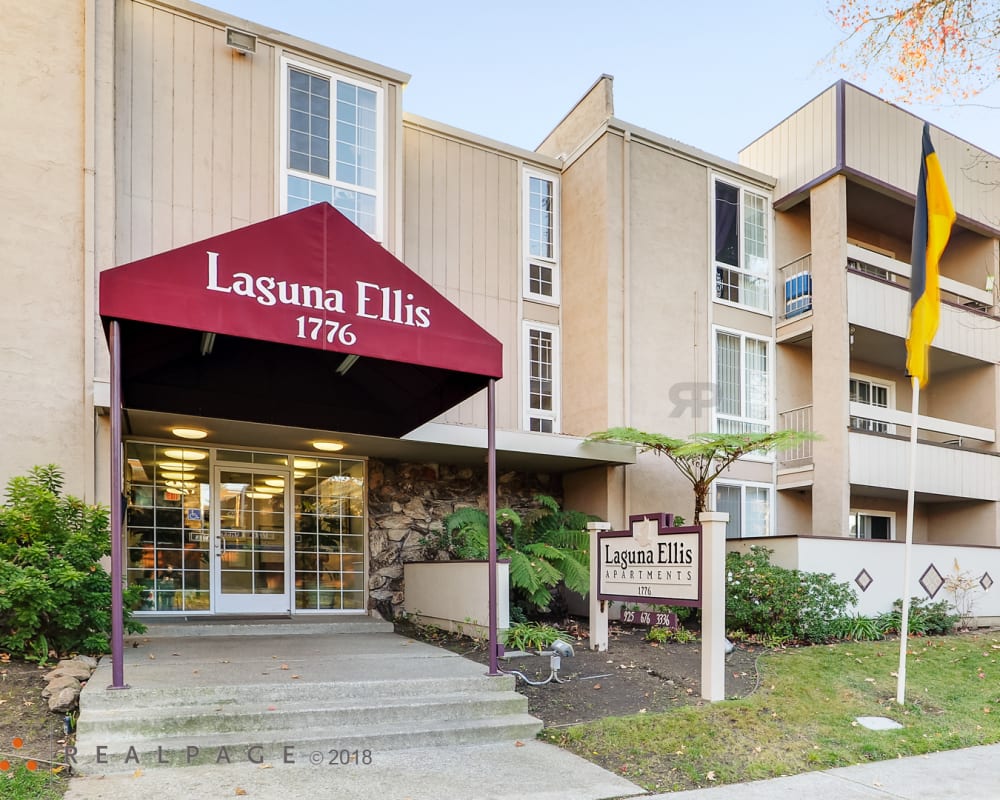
(970,774)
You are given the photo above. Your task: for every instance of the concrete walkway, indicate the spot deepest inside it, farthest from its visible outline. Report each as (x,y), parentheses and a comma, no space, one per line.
(970,774)
(184,684)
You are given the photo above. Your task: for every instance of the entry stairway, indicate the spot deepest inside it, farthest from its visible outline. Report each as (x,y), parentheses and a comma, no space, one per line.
(313,692)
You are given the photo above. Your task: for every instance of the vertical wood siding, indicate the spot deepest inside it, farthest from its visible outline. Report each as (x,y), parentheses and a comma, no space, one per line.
(884,141)
(196,133)
(800,148)
(460,232)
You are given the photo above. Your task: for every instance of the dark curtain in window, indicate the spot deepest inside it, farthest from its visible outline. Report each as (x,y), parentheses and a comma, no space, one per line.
(727,229)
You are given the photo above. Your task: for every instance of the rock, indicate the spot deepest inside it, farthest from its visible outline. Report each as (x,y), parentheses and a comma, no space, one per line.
(59,683)
(74,668)
(88,661)
(65,700)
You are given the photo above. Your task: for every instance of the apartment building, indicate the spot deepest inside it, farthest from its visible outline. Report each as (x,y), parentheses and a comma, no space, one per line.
(846,168)
(612,277)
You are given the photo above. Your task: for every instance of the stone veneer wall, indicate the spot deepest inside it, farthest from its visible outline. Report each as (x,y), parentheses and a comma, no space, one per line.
(407,501)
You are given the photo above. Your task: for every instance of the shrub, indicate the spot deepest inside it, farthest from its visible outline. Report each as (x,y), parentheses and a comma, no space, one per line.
(545,548)
(529,636)
(858,628)
(925,618)
(54,594)
(659,635)
(781,604)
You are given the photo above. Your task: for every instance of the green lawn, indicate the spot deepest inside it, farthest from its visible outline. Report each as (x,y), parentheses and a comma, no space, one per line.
(19,783)
(802,716)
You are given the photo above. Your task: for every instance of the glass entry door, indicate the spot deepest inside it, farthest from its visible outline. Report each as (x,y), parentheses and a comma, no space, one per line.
(250,540)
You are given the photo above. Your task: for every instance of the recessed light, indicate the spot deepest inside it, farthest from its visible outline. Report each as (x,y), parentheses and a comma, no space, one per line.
(329,447)
(185,455)
(189,433)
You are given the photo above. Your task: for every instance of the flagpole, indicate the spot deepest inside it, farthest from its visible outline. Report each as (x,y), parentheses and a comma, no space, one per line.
(904,623)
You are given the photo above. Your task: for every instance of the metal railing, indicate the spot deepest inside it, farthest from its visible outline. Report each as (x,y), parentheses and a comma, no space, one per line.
(800,420)
(794,288)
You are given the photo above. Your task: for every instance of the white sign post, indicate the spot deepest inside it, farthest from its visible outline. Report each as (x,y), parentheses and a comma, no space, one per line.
(713,605)
(598,608)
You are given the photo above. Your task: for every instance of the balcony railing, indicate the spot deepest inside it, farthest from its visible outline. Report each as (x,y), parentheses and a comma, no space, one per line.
(794,288)
(800,420)
(794,285)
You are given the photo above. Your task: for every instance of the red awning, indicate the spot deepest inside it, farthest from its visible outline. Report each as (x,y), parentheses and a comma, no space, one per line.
(261,324)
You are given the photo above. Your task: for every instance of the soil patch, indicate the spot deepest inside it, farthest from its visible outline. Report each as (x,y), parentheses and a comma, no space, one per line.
(25,716)
(632,677)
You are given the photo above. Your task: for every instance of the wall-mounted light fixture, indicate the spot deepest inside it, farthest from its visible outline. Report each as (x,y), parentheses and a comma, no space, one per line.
(241,40)
(189,433)
(329,447)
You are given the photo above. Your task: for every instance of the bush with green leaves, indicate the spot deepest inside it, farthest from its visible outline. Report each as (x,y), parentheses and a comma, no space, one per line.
(54,595)
(545,547)
(782,604)
(925,618)
(530,636)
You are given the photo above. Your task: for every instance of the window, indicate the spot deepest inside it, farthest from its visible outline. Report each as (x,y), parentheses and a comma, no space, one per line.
(541,343)
(742,249)
(743,383)
(331,145)
(873,525)
(748,506)
(871,393)
(541,237)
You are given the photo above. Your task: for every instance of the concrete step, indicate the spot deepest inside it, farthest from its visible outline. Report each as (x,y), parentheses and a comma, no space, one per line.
(121,725)
(314,745)
(318,693)
(279,626)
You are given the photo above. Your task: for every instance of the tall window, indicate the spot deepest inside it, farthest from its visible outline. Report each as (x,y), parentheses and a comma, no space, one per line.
(743,385)
(870,393)
(541,343)
(742,249)
(331,144)
(541,236)
(748,506)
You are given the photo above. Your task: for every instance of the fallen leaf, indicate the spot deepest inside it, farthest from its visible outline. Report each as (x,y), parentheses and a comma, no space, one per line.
(265,766)
(137,773)
(152,657)
(870,680)
(518,744)
(711,775)
(284,666)
(240,792)
(597,686)
(272,708)
(295,677)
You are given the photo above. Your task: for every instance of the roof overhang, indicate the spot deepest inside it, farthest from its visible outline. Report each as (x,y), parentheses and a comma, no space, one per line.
(301,320)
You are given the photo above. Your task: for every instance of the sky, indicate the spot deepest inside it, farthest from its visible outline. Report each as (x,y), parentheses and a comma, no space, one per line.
(714,74)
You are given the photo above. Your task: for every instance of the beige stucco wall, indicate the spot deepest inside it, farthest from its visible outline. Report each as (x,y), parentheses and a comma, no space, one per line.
(43,240)
(830,338)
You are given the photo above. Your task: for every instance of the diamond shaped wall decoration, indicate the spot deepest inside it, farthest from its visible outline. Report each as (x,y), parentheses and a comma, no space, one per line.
(864,580)
(986,581)
(932,581)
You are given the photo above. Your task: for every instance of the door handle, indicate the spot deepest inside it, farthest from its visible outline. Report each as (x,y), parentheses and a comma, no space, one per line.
(222,546)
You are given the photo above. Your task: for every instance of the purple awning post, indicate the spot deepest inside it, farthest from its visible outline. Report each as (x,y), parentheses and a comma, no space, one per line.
(117,603)
(491,477)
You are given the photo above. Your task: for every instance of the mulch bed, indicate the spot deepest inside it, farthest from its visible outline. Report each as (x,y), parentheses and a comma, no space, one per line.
(632,677)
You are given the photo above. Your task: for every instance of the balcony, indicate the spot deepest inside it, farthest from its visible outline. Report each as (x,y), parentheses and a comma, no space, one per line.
(952,459)
(878,300)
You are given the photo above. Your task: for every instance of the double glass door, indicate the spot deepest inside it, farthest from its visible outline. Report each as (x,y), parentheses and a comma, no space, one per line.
(250,533)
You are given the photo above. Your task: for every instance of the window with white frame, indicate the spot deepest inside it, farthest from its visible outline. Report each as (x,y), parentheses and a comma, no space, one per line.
(873,524)
(541,384)
(748,505)
(742,250)
(742,383)
(331,145)
(870,392)
(541,236)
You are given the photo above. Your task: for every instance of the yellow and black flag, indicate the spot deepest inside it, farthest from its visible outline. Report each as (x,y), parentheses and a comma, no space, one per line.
(932,221)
